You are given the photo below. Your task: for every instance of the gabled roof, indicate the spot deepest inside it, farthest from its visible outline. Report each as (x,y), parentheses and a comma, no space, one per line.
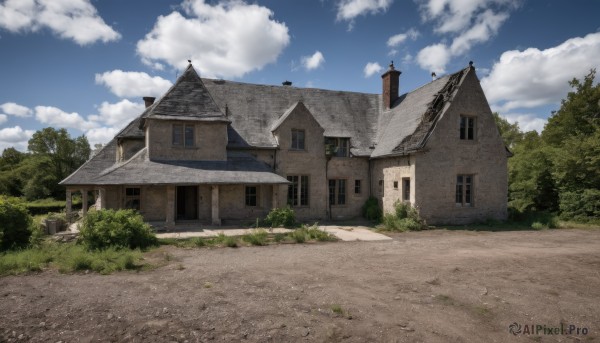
(404,128)
(255,109)
(187,99)
(298,106)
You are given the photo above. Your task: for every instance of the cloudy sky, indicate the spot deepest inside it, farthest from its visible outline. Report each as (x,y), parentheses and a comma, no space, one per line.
(85,64)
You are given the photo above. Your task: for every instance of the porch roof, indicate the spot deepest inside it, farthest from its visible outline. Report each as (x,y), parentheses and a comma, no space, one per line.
(240,168)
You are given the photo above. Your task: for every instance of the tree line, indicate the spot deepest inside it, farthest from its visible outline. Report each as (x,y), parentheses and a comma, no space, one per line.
(52,156)
(558,170)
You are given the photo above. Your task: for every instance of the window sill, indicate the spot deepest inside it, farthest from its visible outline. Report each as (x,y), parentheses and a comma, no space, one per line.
(298,150)
(184,147)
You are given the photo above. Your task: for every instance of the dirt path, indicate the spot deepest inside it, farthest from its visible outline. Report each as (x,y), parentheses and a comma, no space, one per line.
(435,286)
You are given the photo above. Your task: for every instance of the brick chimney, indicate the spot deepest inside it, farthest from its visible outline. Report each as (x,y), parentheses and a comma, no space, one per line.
(149,100)
(391,86)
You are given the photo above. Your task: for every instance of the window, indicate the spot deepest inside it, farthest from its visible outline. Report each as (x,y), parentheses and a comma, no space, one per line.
(356,186)
(464,190)
(183,135)
(467,128)
(381,187)
(395,184)
(298,190)
(406,189)
(337,192)
(251,195)
(339,147)
(297,139)
(132,198)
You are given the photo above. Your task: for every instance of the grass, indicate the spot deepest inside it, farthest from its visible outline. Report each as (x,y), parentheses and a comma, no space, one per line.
(68,258)
(337,309)
(258,237)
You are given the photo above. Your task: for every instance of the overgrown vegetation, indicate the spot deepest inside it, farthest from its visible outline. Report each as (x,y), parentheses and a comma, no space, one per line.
(404,218)
(16,224)
(281,217)
(558,170)
(121,229)
(69,257)
(371,209)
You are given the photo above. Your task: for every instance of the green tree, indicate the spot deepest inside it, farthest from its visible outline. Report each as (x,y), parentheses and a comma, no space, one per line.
(56,155)
(511,133)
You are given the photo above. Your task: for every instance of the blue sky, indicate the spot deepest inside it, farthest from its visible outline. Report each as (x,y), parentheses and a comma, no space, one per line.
(85,65)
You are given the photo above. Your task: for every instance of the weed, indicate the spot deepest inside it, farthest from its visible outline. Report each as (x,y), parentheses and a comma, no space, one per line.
(279,237)
(256,237)
(445,299)
(404,218)
(337,309)
(207,285)
(538,226)
(180,267)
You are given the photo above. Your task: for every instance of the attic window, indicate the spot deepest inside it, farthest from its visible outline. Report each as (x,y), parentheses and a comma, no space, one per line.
(467,128)
(338,147)
(298,139)
(183,135)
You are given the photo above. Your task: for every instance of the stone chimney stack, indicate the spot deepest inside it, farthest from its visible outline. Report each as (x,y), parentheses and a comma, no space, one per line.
(149,100)
(391,86)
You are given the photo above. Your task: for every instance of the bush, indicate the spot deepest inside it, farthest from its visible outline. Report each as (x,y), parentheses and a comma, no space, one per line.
(281,217)
(404,218)
(257,237)
(371,210)
(123,228)
(580,206)
(310,233)
(15,223)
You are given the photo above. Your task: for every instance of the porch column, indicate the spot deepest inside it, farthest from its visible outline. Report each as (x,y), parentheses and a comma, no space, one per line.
(69,205)
(170,221)
(84,201)
(216,220)
(101,199)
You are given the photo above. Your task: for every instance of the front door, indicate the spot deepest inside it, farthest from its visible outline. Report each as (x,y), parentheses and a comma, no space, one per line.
(187,202)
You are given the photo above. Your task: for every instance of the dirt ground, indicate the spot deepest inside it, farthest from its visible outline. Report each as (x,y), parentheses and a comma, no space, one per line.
(432,286)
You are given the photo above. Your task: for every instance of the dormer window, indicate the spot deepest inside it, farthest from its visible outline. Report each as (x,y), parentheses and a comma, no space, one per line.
(337,146)
(297,139)
(183,135)
(467,128)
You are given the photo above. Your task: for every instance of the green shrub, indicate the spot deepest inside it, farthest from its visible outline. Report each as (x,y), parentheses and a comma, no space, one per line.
(580,206)
(538,226)
(281,217)
(15,223)
(310,233)
(371,210)
(257,237)
(404,218)
(123,228)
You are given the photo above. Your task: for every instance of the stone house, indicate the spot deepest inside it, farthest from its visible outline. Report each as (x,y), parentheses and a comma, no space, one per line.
(210,151)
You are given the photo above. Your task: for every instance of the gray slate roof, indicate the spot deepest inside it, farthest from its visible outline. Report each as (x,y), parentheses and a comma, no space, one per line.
(253,111)
(187,99)
(240,168)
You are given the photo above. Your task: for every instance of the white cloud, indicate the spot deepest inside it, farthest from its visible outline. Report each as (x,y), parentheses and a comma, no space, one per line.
(16,110)
(228,39)
(526,121)
(15,137)
(434,58)
(59,118)
(3,118)
(314,61)
(400,38)
(466,22)
(350,9)
(533,77)
(372,68)
(74,19)
(101,135)
(133,84)
(118,113)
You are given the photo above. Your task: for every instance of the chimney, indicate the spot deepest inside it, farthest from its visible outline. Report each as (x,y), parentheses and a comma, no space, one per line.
(287,83)
(149,100)
(433,76)
(391,85)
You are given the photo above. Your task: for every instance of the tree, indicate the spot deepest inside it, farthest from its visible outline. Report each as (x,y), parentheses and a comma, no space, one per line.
(55,156)
(511,133)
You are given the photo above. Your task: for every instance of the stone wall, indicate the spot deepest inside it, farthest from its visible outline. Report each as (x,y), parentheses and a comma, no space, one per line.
(447,156)
(349,169)
(210,141)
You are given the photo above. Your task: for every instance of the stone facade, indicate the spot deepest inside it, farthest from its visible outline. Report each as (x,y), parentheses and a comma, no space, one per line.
(437,148)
